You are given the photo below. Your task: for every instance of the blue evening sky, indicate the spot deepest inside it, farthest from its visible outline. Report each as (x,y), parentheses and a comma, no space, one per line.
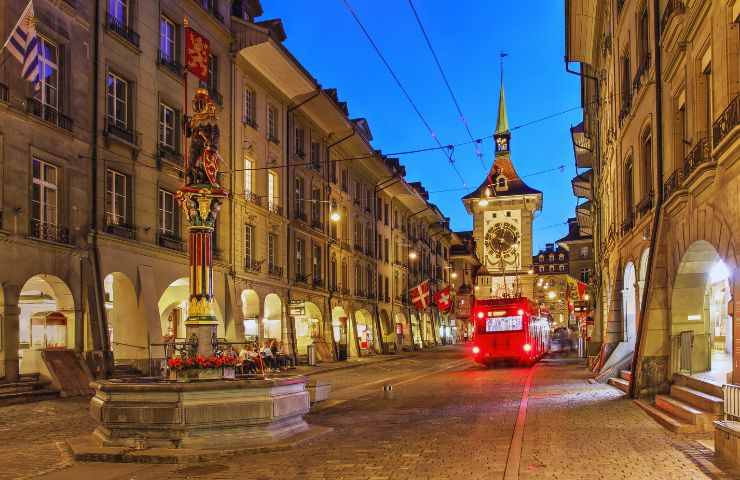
(467,36)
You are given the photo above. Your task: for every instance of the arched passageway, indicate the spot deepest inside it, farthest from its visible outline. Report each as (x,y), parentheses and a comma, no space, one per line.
(250,314)
(127,329)
(629,303)
(701,325)
(272,319)
(173,311)
(46,320)
(308,328)
(365,331)
(340,332)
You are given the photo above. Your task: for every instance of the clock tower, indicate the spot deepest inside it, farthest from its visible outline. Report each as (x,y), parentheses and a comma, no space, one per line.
(503,208)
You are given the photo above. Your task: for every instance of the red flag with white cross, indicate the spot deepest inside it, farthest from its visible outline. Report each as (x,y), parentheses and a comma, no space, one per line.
(420,295)
(443,300)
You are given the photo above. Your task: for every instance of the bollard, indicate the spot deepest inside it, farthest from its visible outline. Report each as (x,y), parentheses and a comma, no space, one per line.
(388,392)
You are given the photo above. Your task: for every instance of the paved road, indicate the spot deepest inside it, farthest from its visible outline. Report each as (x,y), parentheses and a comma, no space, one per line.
(449,420)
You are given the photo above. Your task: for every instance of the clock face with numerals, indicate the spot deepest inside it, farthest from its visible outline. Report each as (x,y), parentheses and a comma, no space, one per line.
(501,242)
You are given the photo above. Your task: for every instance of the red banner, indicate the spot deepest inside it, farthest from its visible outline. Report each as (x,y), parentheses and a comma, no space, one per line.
(420,295)
(197,50)
(443,300)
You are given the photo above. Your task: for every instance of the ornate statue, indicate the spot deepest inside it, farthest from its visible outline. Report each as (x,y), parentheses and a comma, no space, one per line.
(202,129)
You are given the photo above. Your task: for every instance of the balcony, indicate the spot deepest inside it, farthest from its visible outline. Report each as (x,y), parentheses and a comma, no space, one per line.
(358,248)
(301,278)
(673,183)
(124,31)
(249,121)
(167,61)
(645,205)
(725,123)
(50,233)
(4,93)
(317,282)
(673,9)
(275,270)
(642,70)
(48,114)
(274,208)
(299,215)
(344,291)
(216,96)
(624,110)
(253,198)
(698,155)
(318,225)
(121,230)
(170,241)
(360,293)
(251,265)
(120,130)
(628,223)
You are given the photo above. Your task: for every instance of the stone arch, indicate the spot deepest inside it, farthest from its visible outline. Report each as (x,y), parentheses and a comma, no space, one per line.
(366,334)
(173,310)
(629,303)
(385,322)
(46,320)
(250,309)
(340,331)
(128,331)
(642,274)
(272,317)
(308,328)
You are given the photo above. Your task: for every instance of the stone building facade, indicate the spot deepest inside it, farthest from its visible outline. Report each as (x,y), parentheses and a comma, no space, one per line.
(311,248)
(658,154)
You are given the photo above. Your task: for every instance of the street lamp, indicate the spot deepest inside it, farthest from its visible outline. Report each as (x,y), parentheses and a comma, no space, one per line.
(453,275)
(551,294)
(335,216)
(412,255)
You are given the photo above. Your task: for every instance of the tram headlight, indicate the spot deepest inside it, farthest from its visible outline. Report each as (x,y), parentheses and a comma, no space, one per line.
(476,350)
(481,314)
(527,347)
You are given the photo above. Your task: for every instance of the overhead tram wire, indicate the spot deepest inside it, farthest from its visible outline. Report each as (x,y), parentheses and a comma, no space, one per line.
(448,156)
(477,143)
(560,168)
(449,147)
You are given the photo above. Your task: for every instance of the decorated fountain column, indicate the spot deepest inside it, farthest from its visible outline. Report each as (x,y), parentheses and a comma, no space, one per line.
(201,198)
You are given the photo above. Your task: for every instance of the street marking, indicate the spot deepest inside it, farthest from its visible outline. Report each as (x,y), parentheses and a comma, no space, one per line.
(514,456)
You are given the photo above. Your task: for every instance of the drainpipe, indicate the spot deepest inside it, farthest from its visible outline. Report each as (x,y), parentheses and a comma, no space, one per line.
(642,328)
(232,206)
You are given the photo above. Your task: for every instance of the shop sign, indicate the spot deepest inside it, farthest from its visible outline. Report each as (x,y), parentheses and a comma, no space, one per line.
(296,309)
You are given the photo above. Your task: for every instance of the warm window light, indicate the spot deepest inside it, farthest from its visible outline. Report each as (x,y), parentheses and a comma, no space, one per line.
(530,271)
(335,216)
(482,202)
(586,296)
(454,275)
(412,255)
(551,295)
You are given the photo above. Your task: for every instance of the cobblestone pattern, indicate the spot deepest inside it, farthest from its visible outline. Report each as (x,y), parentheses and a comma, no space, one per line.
(454,424)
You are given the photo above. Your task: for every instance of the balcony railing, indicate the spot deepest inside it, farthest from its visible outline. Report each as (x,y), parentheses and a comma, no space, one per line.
(624,111)
(344,291)
(276,209)
(672,9)
(170,155)
(253,198)
(249,120)
(727,121)
(301,278)
(4,93)
(49,232)
(120,130)
(123,31)
(170,241)
(642,70)
(645,205)
(216,96)
(317,224)
(673,183)
(317,282)
(121,230)
(300,216)
(628,223)
(698,155)
(252,265)
(275,270)
(48,114)
(170,63)
(358,247)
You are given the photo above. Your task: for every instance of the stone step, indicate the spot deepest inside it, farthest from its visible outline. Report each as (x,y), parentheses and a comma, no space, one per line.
(28,397)
(667,420)
(23,386)
(620,383)
(626,375)
(700,384)
(686,412)
(702,401)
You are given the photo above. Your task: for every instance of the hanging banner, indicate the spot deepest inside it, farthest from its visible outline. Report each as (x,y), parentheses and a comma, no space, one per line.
(197,51)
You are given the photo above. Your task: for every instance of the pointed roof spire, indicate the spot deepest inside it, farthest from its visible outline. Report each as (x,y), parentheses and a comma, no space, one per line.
(502,122)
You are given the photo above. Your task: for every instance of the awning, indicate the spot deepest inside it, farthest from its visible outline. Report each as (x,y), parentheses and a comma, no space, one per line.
(585,220)
(580,23)
(582,146)
(582,184)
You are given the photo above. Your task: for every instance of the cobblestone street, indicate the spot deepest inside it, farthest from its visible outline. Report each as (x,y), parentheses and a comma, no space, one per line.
(449,420)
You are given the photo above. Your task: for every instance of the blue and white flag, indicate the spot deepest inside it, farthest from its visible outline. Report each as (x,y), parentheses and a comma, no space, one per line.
(25,45)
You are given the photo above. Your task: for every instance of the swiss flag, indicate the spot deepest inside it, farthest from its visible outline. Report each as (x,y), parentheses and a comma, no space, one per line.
(420,295)
(442,299)
(197,51)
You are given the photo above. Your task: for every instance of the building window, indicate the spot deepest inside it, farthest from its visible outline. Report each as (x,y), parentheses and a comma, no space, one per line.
(300,264)
(345,225)
(272,246)
(316,155)
(250,107)
(682,130)
(386,249)
(298,199)
(358,234)
(561,268)
(249,245)
(561,257)
(333,273)
(584,252)
(358,279)
(167,42)
(300,142)
(542,269)
(643,39)
(647,164)
(626,84)
(345,180)
(118,10)
(552,268)
(316,206)
(272,124)
(168,214)
(167,127)
(542,258)
(212,83)
(585,275)
(316,263)
(44,197)
(116,198)
(368,240)
(386,215)
(248,178)
(48,93)
(272,191)
(117,92)
(707,100)
(628,190)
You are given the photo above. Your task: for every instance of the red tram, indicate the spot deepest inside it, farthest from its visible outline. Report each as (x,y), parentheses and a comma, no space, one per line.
(509,329)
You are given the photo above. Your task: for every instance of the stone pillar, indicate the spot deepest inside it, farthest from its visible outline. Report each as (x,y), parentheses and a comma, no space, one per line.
(10,331)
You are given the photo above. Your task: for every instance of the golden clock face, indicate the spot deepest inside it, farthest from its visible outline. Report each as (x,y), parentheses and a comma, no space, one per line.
(502,239)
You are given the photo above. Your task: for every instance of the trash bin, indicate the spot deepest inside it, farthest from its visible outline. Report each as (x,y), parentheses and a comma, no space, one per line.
(311,350)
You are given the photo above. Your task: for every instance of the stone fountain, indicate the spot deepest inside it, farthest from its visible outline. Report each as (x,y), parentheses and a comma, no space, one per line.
(197,411)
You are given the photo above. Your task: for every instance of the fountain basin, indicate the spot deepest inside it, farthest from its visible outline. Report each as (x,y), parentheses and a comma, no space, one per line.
(170,421)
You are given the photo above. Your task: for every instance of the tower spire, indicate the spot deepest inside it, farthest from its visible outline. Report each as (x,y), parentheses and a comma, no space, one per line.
(502,135)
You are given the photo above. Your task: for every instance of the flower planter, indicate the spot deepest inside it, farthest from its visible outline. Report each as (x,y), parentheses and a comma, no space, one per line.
(193,374)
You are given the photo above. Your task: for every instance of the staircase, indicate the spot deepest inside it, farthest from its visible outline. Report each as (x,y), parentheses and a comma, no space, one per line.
(124,371)
(691,406)
(29,388)
(622,382)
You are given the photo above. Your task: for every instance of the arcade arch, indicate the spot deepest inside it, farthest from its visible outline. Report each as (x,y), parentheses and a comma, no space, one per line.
(127,329)
(272,320)
(365,331)
(308,328)
(250,314)
(173,310)
(629,303)
(340,331)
